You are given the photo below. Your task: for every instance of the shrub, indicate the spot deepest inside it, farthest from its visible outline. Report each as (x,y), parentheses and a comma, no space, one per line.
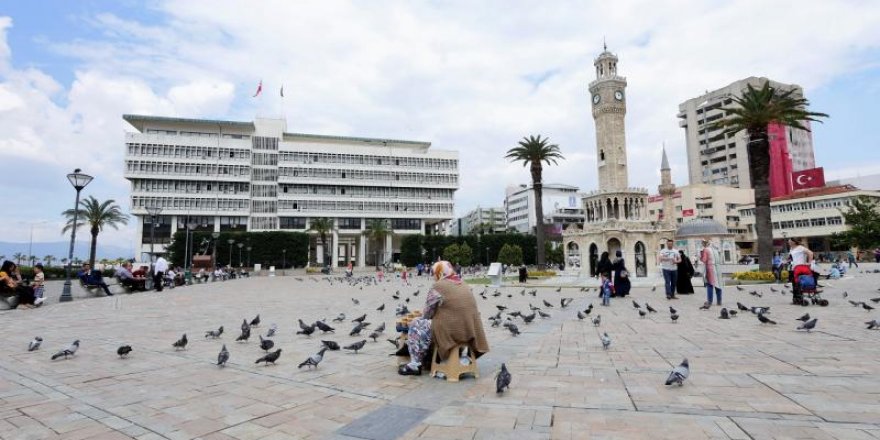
(755,275)
(541,273)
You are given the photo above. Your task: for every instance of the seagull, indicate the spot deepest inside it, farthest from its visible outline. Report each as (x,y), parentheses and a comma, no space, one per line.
(256,321)
(314,360)
(180,344)
(809,325)
(597,320)
(223,356)
(35,344)
(679,374)
(804,318)
(123,351)
(332,345)
(214,334)
(356,346)
(270,357)
(502,380)
(606,341)
(266,344)
(69,351)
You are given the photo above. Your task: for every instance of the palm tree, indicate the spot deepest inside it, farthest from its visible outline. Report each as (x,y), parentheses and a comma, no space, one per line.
(533,151)
(322,225)
(49,259)
(97,215)
(377,229)
(753,112)
(64,262)
(18,256)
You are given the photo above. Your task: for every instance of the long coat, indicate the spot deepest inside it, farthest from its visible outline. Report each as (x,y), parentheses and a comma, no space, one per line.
(457,320)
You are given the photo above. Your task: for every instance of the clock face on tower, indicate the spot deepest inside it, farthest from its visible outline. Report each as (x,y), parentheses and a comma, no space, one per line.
(618,95)
(596,99)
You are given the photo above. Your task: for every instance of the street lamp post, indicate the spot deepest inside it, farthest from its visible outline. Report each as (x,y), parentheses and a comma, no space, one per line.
(249,255)
(231,242)
(154,212)
(79,181)
(284,258)
(240,245)
(487,256)
(215,236)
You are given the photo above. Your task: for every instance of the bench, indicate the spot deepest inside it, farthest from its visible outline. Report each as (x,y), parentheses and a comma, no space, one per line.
(95,289)
(8,300)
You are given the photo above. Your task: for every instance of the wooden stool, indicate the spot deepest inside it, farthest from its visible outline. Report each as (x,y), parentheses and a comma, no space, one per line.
(453,368)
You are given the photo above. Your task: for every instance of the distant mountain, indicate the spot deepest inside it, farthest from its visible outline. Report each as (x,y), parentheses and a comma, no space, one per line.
(59,250)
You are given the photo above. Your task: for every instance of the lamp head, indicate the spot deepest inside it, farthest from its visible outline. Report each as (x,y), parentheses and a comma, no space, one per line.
(78,179)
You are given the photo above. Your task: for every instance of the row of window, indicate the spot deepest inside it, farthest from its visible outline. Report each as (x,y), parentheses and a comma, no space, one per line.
(368,191)
(361,159)
(324,173)
(803,206)
(335,205)
(188,152)
(187,186)
(153,168)
(194,134)
(194,204)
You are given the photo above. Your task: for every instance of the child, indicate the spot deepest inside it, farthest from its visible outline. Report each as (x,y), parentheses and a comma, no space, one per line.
(380,275)
(39,280)
(606,289)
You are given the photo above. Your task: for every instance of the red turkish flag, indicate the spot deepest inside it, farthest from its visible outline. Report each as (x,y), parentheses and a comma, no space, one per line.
(812,178)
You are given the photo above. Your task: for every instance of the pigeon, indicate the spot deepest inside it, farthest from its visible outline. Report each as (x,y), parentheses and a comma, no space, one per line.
(528,318)
(724,314)
(256,321)
(705,306)
(649,308)
(809,325)
(636,305)
(272,329)
(755,293)
(674,318)
(873,324)
(501,308)
(356,302)
(339,318)
(69,351)
(742,307)
(642,313)
(270,357)
(356,346)
(597,320)
(533,308)
(381,308)
(547,304)
(875,300)
(559,289)
(35,344)
(360,318)
(314,360)
(374,335)
(266,344)
(765,320)
(804,318)
(515,314)
(223,356)
(244,336)
(302,324)
(123,351)
(545,315)
(502,380)
(357,329)
(307,330)
(581,315)
(332,345)
(867,307)
(773,290)
(245,325)
(380,328)
(679,374)
(214,334)
(588,310)
(845,294)
(514,330)
(606,341)
(761,310)
(732,313)
(324,327)
(564,302)
(654,289)
(180,344)
(672,310)
(416,293)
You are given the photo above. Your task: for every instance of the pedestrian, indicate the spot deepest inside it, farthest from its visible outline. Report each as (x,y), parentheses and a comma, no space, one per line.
(380,275)
(669,259)
(851,257)
(777,267)
(604,265)
(38,284)
(622,284)
(683,284)
(801,258)
(159,269)
(607,288)
(712,276)
(877,255)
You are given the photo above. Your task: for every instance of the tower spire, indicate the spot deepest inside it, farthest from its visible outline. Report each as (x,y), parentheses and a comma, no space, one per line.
(604,44)
(664,164)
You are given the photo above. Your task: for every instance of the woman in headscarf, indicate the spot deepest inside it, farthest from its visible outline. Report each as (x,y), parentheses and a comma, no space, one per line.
(450,319)
(712,272)
(621,276)
(685,273)
(604,265)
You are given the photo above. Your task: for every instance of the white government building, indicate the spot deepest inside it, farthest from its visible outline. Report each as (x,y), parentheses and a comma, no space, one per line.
(256,176)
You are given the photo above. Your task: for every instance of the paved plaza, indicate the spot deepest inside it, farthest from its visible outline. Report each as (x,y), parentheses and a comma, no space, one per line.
(748,380)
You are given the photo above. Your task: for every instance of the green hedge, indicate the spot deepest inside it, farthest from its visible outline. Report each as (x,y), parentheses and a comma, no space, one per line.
(266,247)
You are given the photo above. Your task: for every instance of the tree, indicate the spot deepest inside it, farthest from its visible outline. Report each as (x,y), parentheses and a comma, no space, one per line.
(18,256)
(97,215)
(862,218)
(411,250)
(452,253)
(465,254)
(752,113)
(49,259)
(534,151)
(511,255)
(322,225)
(376,230)
(554,254)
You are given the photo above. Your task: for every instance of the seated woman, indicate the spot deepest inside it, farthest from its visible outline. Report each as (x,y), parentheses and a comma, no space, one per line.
(450,319)
(10,282)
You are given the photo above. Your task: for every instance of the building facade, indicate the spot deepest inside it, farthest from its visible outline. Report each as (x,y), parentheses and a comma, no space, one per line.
(615,215)
(519,204)
(256,176)
(482,220)
(715,202)
(719,159)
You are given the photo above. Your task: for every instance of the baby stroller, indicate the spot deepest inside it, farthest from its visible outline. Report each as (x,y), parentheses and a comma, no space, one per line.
(804,288)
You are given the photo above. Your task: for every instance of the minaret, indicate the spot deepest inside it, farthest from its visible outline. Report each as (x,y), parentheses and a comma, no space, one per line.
(667,190)
(607,94)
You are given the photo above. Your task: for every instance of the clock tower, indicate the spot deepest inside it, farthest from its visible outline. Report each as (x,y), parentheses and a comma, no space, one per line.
(608,98)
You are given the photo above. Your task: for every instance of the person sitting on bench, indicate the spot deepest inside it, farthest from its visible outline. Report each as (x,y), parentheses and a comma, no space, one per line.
(11,282)
(129,280)
(93,278)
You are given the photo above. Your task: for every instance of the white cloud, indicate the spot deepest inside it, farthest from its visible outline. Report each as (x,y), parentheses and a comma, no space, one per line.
(455,74)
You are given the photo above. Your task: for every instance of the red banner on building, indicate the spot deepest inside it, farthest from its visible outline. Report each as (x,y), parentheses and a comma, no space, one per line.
(687,212)
(812,178)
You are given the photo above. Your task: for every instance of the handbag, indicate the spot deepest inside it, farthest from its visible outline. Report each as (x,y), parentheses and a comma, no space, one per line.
(624,273)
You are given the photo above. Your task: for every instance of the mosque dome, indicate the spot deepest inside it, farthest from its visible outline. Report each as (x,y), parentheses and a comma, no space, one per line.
(701,227)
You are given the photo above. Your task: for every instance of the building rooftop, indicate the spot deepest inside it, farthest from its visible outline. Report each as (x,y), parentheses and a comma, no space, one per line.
(138,121)
(816,192)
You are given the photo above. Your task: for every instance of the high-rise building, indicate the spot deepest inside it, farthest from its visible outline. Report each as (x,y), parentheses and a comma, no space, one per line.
(519,204)
(719,159)
(256,176)
(484,220)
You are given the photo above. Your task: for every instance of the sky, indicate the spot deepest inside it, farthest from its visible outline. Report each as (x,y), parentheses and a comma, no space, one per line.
(468,76)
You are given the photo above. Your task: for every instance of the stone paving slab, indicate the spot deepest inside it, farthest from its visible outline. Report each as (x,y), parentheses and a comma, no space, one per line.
(748,380)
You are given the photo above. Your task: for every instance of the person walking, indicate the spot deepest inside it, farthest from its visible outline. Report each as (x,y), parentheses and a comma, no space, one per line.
(159,270)
(622,284)
(777,267)
(669,259)
(685,272)
(604,265)
(712,277)
(851,258)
